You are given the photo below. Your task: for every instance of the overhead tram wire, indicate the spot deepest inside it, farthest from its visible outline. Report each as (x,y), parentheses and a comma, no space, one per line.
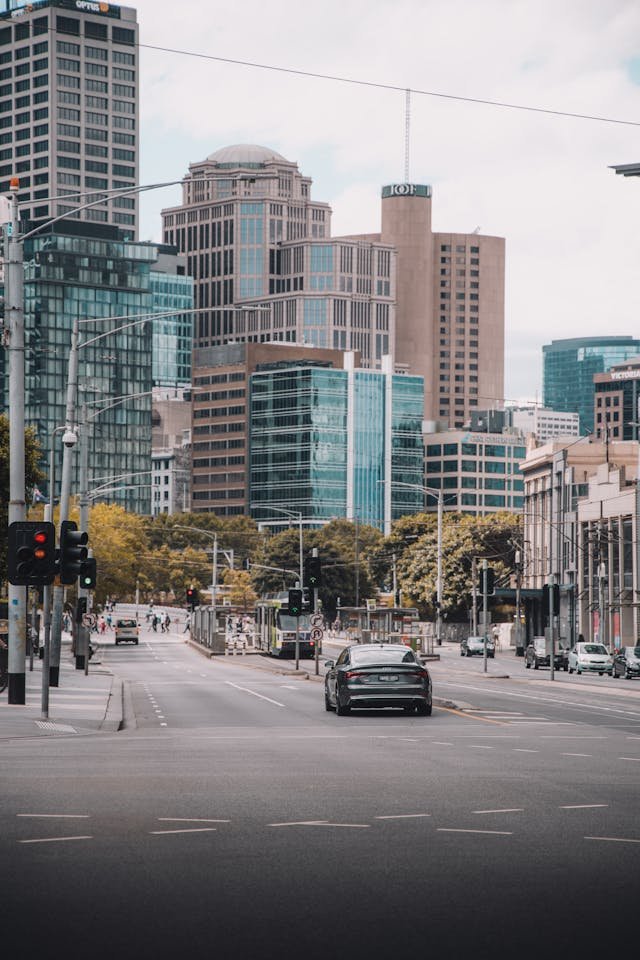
(400,88)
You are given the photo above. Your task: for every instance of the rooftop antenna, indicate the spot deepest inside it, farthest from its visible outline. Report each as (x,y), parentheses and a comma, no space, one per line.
(407,132)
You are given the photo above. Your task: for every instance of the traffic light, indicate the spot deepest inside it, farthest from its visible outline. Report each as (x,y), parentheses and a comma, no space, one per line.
(312,572)
(88,573)
(193,598)
(308,598)
(551,604)
(489,587)
(295,602)
(73,551)
(32,553)
(81,609)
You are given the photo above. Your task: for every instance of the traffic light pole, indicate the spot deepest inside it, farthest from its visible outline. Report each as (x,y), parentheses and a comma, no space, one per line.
(82,632)
(65,492)
(485,609)
(552,655)
(14,318)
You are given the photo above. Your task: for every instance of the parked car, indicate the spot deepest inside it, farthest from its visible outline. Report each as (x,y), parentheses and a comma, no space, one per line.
(377,675)
(626,663)
(590,658)
(127,631)
(472,645)
(538,654)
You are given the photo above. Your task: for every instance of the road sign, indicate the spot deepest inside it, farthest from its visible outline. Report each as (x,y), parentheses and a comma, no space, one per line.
(316,634)
(88,619)
(317,620)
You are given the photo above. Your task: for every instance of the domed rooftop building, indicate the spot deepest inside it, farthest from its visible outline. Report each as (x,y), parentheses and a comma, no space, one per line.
(245,155)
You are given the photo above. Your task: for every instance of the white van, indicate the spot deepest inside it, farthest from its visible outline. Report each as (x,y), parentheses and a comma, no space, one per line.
(127,631)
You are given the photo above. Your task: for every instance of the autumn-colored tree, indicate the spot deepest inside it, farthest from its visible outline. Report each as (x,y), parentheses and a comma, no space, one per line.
(241,593)
(118,540)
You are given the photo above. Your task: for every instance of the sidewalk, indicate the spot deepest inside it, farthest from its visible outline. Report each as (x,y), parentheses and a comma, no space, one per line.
(80,705)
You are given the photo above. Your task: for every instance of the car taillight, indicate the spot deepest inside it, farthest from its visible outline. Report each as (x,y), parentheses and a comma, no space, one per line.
(421,674)
(353,675)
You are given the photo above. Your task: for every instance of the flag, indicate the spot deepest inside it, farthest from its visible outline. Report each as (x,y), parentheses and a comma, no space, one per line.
(38,497)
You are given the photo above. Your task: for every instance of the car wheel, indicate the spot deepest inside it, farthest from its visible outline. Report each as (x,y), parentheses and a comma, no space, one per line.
(117,642)
(627,675)
(424,709)
(340,710)
(491,656)
(136,642)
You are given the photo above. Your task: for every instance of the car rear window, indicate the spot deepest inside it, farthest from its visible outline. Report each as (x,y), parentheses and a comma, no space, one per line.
(383,655)
(126,623)
(593,648)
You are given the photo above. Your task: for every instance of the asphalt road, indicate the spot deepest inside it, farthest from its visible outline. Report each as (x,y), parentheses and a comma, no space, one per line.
(234,817)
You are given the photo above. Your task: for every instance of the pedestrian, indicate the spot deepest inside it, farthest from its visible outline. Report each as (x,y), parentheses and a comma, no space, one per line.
(166,623)
(163,621)
(154,623)
(187,623)
(109,621)
(102,624)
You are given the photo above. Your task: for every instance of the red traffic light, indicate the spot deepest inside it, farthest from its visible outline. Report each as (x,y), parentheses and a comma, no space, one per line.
(32,553)
(40,537)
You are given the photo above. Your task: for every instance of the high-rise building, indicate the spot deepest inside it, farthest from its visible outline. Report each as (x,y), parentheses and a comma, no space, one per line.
(172,291)
(569,367)
(544,423)
(263,259)
(69,108)
(449,307)
(90,274)
(616,402)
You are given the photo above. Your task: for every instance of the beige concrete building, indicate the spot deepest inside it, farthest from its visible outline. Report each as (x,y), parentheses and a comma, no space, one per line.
(171,451)
(449,307)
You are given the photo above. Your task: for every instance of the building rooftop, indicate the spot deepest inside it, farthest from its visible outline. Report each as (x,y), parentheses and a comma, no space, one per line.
(245,154)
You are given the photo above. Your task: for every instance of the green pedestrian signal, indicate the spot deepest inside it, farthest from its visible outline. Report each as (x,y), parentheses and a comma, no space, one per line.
(295,603)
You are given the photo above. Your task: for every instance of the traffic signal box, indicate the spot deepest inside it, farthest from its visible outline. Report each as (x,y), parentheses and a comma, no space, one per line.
(312,572)
(88,574)
(295,602)
(73,551)
(32,553)
(193,599)
(490,584)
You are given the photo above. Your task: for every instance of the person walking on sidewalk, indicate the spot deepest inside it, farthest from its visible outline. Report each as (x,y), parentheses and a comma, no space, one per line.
(187,623)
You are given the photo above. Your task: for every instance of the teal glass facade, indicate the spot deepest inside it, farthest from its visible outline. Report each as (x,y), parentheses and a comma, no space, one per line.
(569,366)
(323,439)
(87,273)
(172,336)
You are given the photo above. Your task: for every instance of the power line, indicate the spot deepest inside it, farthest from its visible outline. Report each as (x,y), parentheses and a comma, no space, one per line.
(389,86)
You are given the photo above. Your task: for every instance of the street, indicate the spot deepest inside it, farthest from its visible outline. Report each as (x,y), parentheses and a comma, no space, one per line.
(233,815)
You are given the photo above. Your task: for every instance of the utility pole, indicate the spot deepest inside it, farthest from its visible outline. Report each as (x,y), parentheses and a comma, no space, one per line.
(82,632)
(474,596)
(65,492)
(552,611)
(485,609)
(14,319)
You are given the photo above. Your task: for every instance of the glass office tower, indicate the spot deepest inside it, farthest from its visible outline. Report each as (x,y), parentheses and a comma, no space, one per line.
(569,367)
(172,335)
(326,443)
(91,273)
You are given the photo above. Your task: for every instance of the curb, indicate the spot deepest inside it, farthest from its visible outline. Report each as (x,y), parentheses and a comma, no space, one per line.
(114,713)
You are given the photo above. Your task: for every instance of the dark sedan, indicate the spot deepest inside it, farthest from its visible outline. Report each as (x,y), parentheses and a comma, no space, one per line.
(626,663)
(377,675)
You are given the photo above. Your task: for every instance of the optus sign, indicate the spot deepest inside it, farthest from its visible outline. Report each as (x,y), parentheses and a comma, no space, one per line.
(92,7)
(406,190)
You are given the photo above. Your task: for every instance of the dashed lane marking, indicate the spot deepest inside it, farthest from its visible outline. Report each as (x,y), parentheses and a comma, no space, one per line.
(55,839)
(505,810)
(188,830)
(254,694)
(576,754)
(614,839)
(189,820)
(56,816)
(403,816)
(582,806)
(500,833)
(319,823)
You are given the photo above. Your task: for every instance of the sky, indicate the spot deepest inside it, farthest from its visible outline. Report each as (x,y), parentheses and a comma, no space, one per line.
(540,180)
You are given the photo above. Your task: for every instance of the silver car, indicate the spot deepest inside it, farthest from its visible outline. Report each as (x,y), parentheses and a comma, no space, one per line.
(475,645)
(590,658)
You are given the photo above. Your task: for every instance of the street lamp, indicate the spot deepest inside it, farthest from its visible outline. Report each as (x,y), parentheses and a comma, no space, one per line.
(295,515)
(439,497)
(214,572)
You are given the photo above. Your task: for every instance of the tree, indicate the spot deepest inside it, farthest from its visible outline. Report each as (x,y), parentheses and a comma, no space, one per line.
(241,593)
(33,476)
(464,537)
(119,542)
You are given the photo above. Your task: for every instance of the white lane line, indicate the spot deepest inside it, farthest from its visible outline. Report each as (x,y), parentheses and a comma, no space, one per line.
(189,820)
(635,759)
(576,754)
(163,724)
(285,686)
(69,816)
(524,750)
(582,806)
(479,746)
(254,694)
(54,839)
(505,810)
(614,839)
(409,739)
(188,830)
(318,823)
(403,816)
(441,743)
(500,833)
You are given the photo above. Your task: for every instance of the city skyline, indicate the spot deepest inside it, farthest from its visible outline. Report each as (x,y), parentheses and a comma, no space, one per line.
(540,180)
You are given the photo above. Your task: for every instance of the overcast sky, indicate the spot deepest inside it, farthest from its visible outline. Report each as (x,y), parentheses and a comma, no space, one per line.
(540,181)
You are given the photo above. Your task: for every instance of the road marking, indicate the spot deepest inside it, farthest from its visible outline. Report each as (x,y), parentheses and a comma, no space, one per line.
(441,743)
(54,839)
(479,746)
(524,750)
(254,694)
(318,823)
(70,816)
(582,806)
(189,820)
(409,739)
(635,759)
(189,830)
(505,810)
(467,716)
(163,724)
(614,839)
(576,754)
(501,833)
(403,816)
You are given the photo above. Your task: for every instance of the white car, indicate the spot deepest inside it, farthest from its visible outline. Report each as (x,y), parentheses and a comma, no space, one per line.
(590,658)
(471,646)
